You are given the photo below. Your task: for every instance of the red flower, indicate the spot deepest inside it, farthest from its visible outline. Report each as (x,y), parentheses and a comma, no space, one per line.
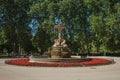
(25,62)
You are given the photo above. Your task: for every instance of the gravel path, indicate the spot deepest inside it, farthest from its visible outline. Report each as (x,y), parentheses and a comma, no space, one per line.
(106,72)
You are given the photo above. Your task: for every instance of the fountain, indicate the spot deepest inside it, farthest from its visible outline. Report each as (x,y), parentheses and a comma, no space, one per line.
(59,51)
(60,48)
(59,55)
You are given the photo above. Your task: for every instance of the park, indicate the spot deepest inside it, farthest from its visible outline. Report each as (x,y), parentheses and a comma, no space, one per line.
(59,39)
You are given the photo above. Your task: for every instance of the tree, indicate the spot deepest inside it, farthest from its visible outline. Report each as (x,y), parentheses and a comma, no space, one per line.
(15,24)
(41,40)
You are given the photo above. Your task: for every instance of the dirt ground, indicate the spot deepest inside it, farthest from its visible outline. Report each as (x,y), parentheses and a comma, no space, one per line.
(106,72)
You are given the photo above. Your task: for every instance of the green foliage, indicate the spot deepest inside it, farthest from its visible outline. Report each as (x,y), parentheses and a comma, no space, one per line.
(91,25)
(88,22)
(41,40)
(14,26)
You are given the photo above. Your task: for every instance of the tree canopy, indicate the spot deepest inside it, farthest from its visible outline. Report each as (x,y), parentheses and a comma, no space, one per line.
(91,25)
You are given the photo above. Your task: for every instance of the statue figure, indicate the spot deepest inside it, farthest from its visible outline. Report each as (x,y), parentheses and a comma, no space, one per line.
(63,43)
(56,43)
(59,48)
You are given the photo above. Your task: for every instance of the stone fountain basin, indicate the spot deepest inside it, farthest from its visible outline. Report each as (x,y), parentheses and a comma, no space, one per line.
(37,59)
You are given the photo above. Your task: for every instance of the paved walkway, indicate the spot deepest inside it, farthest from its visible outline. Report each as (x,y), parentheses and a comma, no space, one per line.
(106,72)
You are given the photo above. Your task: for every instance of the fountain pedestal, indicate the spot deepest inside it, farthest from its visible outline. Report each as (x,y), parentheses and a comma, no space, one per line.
(60,48)
(60,52)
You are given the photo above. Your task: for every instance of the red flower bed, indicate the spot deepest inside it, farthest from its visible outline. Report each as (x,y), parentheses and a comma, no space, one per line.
(25,62)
